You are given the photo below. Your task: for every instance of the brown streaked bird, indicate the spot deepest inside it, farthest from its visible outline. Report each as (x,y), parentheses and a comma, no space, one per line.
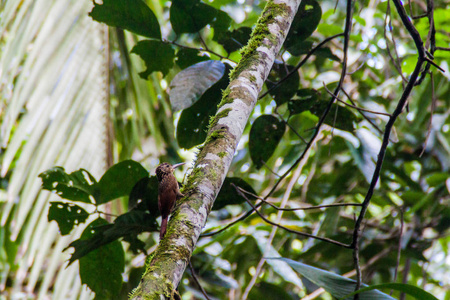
(168,192)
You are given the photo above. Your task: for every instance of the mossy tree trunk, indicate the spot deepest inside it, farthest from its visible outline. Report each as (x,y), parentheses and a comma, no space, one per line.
(203,184)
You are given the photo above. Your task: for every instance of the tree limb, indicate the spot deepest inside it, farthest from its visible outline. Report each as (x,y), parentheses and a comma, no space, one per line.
(167,266)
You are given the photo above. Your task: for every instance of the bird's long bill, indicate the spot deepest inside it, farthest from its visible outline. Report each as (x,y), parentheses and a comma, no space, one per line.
(177,165)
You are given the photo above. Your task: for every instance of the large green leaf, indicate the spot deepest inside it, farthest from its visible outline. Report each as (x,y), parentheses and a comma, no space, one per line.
(189,16)
(102,268)
(76,186)
(119,180)
(305,22)
(337,285)
(412,290)
(132,15)
(127,226)
(66,215)
(158,56)
(193,123)
(190,84)
(265,134)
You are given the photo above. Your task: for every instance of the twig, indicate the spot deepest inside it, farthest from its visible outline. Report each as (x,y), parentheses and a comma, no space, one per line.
(297,208)
(294,209)
(430,122)
(399,247)
(291,230)
(353,106)
(197,282)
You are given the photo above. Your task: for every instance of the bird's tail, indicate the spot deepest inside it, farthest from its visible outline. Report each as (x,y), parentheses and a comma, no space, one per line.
(162,231)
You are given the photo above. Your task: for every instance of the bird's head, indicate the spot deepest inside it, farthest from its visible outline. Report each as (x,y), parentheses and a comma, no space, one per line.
(165,169)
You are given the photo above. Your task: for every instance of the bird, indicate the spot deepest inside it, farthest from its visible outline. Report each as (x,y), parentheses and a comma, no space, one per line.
(168,192)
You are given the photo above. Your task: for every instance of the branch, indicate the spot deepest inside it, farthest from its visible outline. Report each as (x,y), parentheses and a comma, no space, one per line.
(172,256)
(292,230)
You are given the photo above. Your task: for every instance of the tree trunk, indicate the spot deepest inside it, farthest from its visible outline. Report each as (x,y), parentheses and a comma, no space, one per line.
(204,182)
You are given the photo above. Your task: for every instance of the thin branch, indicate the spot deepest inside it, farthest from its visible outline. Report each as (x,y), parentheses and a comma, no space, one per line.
(296,208)
(364,116)
(197,282)
(395,62)
(399,247)
(232,223)
(291,230)
(353,106)
(430,122)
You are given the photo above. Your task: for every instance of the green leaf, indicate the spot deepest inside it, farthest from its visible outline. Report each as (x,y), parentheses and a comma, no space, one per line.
(189,16)
(66,215)
(190,84)
(73,186)
(119,180)
(300,47)
(187,57)
(132,15)
(235,40)
(221,23)
(412,290)
(265,134)
(305,22)
(228,194)
(337,285)
(266,290)
(102,268)
(193,123)
(144,196)
(288,88)
(158,56)
(127,226)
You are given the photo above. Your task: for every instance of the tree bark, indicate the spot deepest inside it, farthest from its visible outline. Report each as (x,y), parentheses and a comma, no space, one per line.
(170,259)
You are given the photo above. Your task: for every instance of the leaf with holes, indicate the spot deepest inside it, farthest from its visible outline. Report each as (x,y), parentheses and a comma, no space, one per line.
(66,215)
(265,134)
(76,186)
(190,84)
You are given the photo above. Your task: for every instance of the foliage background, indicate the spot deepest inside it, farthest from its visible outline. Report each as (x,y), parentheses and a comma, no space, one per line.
(71,96)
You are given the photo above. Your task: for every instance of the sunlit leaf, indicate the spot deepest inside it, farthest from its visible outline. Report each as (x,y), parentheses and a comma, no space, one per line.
(190,84)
